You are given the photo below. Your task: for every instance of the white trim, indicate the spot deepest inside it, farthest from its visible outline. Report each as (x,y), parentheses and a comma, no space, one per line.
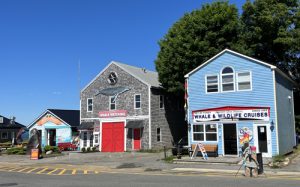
(117,118)
(218,84)
(149,108)
(110,120)
(187,111)
(139,101)
(269,139)
(204,132)
(236,53)
(109,107)
(237,136)
(237,80)
(225,74)
(275,110)
(293,115)
(34,122)
(115,63)
(87,104)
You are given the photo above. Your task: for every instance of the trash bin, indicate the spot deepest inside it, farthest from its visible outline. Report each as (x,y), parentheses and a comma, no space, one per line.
(260,163)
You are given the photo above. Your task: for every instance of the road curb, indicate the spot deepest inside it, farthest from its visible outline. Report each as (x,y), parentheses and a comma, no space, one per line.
(205,170)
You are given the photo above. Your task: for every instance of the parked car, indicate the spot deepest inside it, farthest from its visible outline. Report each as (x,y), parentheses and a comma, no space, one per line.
(181,147)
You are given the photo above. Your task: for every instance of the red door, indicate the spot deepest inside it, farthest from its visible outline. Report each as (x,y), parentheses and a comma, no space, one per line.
(136,139)
(113,137)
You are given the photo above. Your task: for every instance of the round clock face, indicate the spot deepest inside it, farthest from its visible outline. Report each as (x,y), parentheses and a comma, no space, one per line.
(112,78)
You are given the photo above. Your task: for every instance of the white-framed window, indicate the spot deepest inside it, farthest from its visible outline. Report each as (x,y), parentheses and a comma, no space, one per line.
(212,83)
(4,135)
(227,80)
(90,105)
(137,101)
(205,132)
(161,101)
(84,139)
(96,136)
(244,80)
(112,103)
(158,134)
(91,139)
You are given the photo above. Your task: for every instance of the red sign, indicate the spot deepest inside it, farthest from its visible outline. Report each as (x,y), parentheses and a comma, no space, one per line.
(113,113)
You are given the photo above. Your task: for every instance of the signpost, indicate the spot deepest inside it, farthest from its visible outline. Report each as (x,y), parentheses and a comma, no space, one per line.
(200,147)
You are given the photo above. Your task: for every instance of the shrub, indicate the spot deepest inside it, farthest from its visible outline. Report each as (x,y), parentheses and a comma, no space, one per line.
(88,149)
(94,149)
(83,149)
(55,149)
(16,151)
(47,148)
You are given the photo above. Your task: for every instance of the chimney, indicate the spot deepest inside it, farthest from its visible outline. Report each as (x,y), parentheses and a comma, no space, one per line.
(12,120)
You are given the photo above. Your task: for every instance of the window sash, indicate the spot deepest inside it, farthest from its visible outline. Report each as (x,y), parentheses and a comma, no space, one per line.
(244,80)
(137,101)
(112,103)
(212,83)
(89,105)
(205,132)
(161,101)
(158,135)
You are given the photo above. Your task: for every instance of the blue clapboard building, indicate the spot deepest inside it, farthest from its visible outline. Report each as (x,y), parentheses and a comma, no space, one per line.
(233,99)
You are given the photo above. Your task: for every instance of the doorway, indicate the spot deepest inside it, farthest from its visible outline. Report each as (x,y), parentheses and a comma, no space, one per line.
(52,137)
(263,139)
(136,139)
(230,139)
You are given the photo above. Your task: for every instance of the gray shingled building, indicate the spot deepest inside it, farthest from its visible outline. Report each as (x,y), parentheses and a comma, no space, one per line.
(124,108)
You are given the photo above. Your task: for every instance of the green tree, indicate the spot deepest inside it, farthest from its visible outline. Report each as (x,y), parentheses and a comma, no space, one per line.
(195,38)
(271,31)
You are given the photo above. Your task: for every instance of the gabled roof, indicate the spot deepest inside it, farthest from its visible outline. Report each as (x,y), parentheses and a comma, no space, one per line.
(244,56)
(7,124)
(70,117)
(148,77)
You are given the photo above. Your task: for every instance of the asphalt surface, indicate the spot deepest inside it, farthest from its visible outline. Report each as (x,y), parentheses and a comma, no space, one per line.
(140,180)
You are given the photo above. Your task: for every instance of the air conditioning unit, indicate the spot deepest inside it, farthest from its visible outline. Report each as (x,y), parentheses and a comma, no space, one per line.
(1,120)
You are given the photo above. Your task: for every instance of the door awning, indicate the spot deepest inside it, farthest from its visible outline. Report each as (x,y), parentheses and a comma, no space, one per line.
(135,124)
(86,126)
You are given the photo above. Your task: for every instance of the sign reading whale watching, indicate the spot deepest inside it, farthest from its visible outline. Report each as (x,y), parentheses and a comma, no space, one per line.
(230,113)
(112,113)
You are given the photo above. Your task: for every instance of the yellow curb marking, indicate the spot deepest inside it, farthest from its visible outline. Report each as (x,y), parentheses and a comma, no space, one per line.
(74,171)
(32,170)
(85,172)
(14,169)
(23,169)
(96,172)
(42,171)
(49,173)
(60,173)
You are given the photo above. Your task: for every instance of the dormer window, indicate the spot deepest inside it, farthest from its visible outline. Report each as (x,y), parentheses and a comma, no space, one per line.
(227,79)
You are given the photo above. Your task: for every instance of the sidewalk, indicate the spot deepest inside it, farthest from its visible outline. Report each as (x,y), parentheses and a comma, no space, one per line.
(137,162)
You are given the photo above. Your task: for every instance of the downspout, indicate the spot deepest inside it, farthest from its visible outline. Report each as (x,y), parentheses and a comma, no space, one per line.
(149,108)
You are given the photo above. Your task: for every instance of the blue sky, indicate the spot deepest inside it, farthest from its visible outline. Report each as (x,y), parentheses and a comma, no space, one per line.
(42,41)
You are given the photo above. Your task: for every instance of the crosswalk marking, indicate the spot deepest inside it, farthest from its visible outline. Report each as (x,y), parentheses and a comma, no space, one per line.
(74,171)
(60,173)
(23,169)
(14,169)
(42,171)
(32,170)
(49,173)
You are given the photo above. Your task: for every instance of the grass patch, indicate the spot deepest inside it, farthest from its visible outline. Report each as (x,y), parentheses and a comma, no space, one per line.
(278,158)
(169,159)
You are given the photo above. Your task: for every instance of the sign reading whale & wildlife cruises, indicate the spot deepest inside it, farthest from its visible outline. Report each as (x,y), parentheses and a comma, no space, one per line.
(223,113)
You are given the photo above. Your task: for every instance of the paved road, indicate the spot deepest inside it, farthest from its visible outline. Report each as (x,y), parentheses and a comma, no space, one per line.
(140,180)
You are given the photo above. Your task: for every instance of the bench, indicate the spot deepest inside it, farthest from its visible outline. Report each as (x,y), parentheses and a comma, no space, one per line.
(209,148)
(66,146)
